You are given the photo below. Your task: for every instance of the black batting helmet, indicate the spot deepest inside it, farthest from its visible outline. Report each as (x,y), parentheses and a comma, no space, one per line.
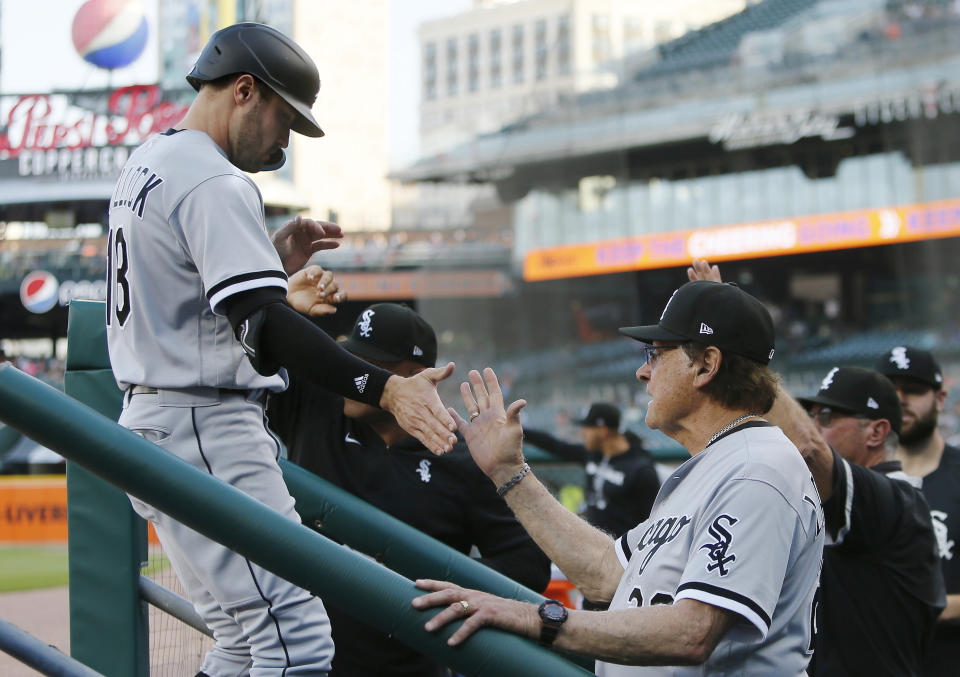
(271,57)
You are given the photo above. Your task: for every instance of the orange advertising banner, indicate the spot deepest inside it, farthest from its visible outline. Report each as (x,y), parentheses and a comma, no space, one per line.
(33,509)
(425,284)
(800,235)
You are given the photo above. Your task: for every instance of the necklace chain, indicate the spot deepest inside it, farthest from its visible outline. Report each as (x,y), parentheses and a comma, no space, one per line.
(730,426)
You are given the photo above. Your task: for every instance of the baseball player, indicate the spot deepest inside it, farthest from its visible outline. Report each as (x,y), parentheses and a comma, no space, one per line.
(721,578)
(918,379)
(198,330)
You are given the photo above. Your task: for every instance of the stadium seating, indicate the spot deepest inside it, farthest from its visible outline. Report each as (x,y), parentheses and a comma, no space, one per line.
(714,44)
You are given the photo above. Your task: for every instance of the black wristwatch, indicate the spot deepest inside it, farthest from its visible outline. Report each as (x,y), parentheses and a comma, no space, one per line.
(552,616)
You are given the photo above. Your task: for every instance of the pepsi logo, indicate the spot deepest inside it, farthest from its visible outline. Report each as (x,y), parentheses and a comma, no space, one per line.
(110,33)
(39,291)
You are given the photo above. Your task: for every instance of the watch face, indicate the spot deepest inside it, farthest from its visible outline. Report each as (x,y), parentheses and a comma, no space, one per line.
(553,611)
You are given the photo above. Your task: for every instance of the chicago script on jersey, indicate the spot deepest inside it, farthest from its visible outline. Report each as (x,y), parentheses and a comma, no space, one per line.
(657,534)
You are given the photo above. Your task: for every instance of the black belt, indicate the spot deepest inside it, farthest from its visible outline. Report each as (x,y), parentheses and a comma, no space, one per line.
(149,390)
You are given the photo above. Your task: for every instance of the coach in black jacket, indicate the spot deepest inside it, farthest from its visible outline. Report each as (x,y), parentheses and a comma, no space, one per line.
(881,586)
(363,450)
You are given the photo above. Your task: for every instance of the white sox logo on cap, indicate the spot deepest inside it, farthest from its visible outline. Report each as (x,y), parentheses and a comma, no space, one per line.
(899,357)
(669,301)
(828,379)
(366,328)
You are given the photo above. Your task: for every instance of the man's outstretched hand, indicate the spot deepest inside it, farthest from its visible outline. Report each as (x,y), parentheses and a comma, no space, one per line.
(415,404)
(702,270)
(492,432)
(301,238)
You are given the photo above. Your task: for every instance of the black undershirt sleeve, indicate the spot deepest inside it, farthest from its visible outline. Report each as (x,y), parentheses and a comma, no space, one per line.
(290,340)
(559,448)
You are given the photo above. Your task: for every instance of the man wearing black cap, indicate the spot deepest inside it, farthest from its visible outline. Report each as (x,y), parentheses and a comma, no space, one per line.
(919,382)
(721,578)
(620,480)
(881,588)
(363,450)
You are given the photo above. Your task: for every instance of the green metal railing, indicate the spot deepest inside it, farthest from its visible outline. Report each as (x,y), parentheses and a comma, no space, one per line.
(105,554)
(408,551)
(379,596)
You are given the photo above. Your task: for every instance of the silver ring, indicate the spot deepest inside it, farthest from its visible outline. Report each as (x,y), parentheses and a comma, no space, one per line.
(466,606)
(474,415)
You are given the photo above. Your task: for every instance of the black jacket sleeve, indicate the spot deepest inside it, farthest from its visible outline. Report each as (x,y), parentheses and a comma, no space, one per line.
(559,448)
(869,510)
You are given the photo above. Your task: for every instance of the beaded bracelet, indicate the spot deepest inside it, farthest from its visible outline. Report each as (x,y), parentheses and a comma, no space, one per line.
(513,481)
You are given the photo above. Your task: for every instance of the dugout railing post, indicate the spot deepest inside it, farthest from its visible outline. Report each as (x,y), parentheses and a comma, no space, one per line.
(107,540)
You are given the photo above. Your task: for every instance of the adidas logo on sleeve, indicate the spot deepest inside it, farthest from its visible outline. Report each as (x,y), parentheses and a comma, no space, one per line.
(361,382)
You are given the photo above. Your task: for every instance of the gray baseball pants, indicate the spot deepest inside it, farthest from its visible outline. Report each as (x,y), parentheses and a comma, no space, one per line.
(263,625)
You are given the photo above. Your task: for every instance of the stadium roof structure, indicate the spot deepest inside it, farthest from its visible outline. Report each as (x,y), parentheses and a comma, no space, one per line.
(671,107)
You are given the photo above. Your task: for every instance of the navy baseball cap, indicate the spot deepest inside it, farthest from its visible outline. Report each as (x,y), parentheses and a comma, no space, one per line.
(601,414)
(716,314)
(390,332)
(856,390)
(911,362)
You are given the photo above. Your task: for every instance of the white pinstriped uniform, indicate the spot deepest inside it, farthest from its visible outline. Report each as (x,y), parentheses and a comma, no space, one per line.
(738,526)
(186,232)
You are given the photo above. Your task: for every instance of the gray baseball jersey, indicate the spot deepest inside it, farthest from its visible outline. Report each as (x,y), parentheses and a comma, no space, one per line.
(186,232)
(739,526)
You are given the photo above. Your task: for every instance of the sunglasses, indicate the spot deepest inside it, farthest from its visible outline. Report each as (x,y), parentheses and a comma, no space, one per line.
(825,416)
(651,354)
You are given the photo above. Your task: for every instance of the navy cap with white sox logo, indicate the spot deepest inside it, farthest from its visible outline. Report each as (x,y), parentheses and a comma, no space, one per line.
(601,414)
(390,332)
(855,390)
(714,314)
(911,362)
